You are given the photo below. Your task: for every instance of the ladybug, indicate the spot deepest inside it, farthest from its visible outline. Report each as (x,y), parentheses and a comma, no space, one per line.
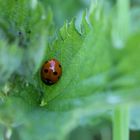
(51,72)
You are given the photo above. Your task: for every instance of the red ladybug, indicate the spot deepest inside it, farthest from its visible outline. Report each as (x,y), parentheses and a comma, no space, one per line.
(51,71)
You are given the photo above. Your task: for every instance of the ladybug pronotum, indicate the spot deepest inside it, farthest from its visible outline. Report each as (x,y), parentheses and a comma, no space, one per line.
(51,72)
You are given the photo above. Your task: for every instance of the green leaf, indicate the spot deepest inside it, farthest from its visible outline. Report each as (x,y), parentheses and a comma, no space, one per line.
(64,55)
(80,55)
(90,70)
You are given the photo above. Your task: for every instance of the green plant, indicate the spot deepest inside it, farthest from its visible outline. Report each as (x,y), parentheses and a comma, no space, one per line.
(100,61)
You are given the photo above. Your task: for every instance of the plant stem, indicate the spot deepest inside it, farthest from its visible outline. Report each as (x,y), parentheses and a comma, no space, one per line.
(7,133)
(123,18)
(121,123)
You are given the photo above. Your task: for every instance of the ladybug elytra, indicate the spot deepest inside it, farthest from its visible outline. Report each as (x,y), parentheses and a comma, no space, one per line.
(51,71)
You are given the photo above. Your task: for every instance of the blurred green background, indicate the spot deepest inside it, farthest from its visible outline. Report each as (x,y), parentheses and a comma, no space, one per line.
(27,34)
(65,10)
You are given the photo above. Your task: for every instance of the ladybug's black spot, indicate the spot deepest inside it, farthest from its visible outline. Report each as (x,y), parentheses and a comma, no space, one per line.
(48,82)
(59,65)
(55,73)
(46,70)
